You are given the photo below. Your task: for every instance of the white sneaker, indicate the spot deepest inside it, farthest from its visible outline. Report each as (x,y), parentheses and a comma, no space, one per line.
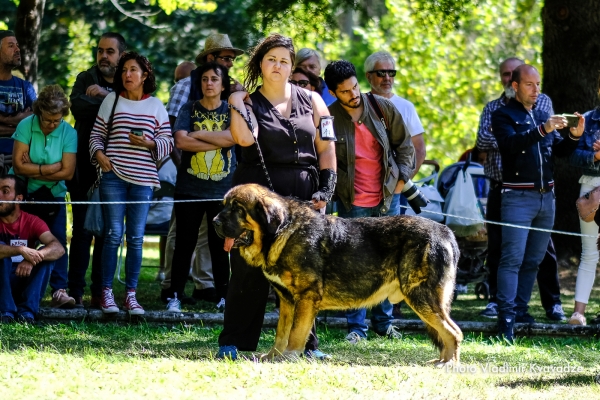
(353,338)
(174,305)
(221,305)
(577,319)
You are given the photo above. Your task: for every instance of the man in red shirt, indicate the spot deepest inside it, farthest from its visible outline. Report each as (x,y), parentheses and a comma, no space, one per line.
(373,164)
(25,270)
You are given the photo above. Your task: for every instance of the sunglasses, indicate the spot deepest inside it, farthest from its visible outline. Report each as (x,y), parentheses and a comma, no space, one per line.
(227,59)
(383,72)
(302,83)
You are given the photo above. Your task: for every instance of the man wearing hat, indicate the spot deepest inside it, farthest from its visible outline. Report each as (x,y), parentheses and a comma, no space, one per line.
(217,48)
(16,94)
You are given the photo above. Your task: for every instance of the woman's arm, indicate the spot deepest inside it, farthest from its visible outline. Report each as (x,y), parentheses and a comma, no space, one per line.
(187,143)
(239,128)
(326,157)
(221,139)
(66,171)
(23,165)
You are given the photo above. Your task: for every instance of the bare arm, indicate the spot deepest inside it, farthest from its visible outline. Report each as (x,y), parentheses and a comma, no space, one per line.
(187,143)
(23,165)
(221,139)
(239,129)
(15,119)
(420,151)
(325,148)
(52,249)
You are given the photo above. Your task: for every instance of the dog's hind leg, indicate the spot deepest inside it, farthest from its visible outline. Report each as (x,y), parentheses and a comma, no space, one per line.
(304,317)
(284,326)
(444,333)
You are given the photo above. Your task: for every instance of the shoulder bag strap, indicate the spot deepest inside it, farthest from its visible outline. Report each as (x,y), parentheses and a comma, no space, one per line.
(378,111)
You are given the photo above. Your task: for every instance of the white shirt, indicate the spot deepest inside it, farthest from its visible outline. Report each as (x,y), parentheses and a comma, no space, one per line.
(409,115)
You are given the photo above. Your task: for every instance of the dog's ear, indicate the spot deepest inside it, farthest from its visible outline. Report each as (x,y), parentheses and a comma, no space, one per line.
(275,213)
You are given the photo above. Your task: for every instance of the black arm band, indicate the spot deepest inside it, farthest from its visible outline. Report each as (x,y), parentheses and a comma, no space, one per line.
(327,181)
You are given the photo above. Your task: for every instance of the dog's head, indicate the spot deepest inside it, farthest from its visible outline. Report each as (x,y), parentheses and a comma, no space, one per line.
(250,210)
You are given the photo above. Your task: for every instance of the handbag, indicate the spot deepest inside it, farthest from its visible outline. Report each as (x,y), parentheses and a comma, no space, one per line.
(462,202)
(47,212)
(94,219)
(588,204)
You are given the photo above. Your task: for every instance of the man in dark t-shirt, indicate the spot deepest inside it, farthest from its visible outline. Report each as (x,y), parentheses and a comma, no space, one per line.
(25,270)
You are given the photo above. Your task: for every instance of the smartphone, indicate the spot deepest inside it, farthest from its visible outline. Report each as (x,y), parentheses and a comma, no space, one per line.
(137,132)
(572,120)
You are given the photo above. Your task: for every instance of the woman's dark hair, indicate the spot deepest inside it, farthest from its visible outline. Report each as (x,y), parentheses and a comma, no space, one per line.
(253,71)
(52,100)
(312,78)
(337,72)
(145,65)
(219,70)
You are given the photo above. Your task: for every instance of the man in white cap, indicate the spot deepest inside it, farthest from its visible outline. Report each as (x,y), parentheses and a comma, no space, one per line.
(217,48)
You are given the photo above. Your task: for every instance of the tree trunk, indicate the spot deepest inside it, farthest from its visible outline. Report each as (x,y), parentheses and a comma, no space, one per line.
(571,70)
(28,27)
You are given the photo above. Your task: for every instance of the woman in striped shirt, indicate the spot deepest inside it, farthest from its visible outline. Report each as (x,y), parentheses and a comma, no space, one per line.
(131,133)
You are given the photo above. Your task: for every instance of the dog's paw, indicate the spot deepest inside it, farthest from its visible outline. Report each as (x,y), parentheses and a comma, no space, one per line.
(443,363)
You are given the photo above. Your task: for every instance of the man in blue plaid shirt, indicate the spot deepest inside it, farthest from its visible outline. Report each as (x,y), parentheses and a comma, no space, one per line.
(486,143)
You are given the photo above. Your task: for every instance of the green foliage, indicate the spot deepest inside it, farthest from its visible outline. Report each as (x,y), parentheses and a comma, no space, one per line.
(168,6)
(450,77)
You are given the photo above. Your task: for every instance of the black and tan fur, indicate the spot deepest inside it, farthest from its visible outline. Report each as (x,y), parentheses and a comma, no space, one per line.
(318,262)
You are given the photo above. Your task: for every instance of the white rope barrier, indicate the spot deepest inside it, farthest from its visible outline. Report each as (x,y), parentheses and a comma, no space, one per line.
(484,221)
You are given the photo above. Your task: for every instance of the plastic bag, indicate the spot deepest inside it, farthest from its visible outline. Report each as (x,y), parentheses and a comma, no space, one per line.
(435,199)
(462,202)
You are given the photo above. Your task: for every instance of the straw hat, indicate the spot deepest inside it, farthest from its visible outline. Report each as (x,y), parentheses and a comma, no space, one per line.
(214,43)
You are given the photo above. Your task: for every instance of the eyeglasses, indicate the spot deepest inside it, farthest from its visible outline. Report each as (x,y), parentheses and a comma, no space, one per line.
(383,72)
(302,83)
(51,121)
(227,59)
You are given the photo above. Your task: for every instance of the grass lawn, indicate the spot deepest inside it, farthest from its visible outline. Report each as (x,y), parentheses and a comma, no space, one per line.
(104,361)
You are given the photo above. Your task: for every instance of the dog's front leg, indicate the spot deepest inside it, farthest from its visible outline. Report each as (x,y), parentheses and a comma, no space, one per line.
(284,325)
(304,317)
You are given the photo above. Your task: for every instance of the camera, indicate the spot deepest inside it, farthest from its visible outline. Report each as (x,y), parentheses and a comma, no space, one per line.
(415,198)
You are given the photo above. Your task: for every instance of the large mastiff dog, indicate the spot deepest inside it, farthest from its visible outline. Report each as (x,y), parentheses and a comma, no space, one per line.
(318,262)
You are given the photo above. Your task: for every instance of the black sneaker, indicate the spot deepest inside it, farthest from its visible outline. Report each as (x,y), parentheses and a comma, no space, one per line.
(556,313)
(505,328)
(26,319)
(7,319)
(525,318)
(78,301)
(490,311)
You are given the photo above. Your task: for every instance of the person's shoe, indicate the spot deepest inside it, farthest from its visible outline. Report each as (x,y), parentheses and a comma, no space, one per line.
(60,299)
(190,301)
(353,338)
(26,319)
(208,294)
(595,321)
(491,310)
(577,319)
(7,318)
(174,305)
(397,311)
(107,302)
(160,276)
(221,305)
(525,318)
(131,305)
(391,333)
(230,352)
(556,313)
(317,355)
(78,302)
(506,328)
(96,302)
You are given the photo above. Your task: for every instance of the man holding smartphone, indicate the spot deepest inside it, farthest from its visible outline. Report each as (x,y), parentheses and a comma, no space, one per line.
(547,276)
(527,140)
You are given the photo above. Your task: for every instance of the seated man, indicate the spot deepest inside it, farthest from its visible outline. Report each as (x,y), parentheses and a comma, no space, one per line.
(25,271)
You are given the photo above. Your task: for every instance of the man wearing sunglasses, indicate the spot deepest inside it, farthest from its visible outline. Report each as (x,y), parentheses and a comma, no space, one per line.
(380,69)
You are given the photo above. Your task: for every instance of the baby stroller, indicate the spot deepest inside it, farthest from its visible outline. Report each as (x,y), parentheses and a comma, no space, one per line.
(473,246)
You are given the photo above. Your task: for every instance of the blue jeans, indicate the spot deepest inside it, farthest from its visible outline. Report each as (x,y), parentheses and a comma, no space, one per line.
(522,250)
(113,188)
(399,205)
(21,296)
(58,278)
(381,314)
